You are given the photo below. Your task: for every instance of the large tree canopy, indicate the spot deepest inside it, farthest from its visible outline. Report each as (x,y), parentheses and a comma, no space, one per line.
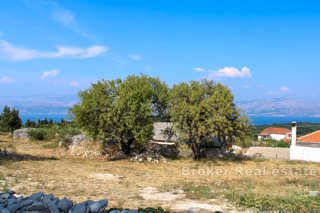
(122,111)
(202,111)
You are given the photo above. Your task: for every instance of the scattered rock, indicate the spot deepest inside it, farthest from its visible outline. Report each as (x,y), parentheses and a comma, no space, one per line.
(168,150)
(314,193)
(149,157)
(156,153)
(87,149)
(113,152)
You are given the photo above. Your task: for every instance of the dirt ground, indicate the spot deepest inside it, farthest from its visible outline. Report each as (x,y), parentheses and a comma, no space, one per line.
(180,185)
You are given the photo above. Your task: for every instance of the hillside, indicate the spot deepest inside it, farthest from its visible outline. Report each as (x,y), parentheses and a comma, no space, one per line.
(280,108)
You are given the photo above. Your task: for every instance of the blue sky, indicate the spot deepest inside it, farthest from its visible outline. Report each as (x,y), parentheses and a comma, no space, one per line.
(260,49)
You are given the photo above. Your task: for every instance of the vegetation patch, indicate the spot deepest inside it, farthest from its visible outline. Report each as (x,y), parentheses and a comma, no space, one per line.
(198,192)
(296,202)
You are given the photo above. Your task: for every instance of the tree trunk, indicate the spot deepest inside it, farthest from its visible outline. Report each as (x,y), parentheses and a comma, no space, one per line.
(196,150)
(126,146)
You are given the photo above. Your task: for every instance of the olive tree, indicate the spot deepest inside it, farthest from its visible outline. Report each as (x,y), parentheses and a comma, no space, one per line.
(122,111)
(204,110)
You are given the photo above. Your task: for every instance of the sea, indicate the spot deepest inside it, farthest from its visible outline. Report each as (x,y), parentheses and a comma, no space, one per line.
(254,120)
(258,121)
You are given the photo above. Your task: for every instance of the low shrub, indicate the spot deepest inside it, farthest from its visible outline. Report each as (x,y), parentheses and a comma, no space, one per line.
(66,141)
(53,132)
(36,134)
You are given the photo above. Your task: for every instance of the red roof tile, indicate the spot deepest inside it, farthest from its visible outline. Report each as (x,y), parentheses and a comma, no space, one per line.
(313,137)
(275,130)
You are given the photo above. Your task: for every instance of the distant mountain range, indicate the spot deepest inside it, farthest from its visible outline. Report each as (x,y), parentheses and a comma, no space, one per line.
(280,107)
(41,104)
(59,105)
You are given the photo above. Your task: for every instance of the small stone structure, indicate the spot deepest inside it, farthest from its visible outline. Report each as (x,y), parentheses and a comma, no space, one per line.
(48,203)
(160,128)
(42,203)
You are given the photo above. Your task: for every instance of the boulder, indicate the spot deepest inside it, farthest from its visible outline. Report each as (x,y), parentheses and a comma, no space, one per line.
(22,133)
(38,206)
(78,139)
(99,206)
(64,204)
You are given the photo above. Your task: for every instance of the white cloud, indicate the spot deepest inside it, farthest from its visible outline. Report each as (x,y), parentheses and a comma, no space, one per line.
(13,53)
(6,80)
(74,84)
(199,69)
(230,72)
(135,57)
(64,17)
(49,73)
(284,89)
(261,86)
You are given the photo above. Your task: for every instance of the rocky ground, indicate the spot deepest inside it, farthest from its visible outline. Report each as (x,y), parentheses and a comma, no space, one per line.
(32,167)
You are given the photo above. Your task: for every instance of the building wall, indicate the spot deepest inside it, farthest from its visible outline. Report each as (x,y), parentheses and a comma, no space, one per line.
(277,137)
(305,153)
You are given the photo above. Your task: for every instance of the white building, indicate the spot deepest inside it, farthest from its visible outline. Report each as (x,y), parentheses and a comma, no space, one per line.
(306,148)
(275,133)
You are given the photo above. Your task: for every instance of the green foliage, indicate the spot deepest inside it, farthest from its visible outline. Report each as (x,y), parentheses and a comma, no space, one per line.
(122,111)
(203,110)
(54,131)
(69,129)
(10,120)
(244,142)
(273,143)
(30,123)
(168,133)
(37,134)
(297,202)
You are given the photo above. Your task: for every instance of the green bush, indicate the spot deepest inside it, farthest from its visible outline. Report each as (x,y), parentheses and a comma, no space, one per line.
(273,143)
(283,144)
(42,134)
(66,141)
(36,134)
(53,132)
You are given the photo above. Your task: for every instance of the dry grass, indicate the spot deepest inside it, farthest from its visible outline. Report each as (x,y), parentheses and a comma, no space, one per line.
(37,168)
